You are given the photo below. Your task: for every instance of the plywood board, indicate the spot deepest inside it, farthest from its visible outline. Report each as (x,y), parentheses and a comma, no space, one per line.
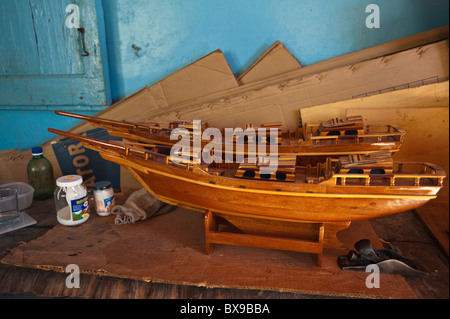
(427,61)
(431,95)
(13,166)
(275,61)
(327,87)
(170,248)
(205,76)
(129,108)
(427,131)
(435,217)
(388,48)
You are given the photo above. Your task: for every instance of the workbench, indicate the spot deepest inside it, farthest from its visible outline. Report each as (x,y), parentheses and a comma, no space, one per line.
(403,231)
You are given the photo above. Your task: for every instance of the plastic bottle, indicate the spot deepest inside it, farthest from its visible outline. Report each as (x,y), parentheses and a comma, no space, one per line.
(40,175)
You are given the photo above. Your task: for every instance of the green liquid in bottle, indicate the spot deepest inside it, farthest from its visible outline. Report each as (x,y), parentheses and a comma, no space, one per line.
(40,175)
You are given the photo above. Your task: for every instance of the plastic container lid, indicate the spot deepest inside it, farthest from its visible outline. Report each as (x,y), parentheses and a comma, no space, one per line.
(102,185)
(36,151)
(69,180)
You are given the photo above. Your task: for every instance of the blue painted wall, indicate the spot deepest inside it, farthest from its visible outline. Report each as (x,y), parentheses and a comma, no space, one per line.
(174,33)
(149,40)
(26,129)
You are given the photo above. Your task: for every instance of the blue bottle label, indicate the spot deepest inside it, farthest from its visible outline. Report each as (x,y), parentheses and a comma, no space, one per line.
(108,202)
(80,208)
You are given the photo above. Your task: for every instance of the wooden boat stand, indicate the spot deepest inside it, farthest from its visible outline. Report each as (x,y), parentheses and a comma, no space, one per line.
(289,235)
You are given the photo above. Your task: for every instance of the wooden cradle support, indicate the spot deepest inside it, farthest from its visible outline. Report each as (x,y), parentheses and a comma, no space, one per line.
(272,234)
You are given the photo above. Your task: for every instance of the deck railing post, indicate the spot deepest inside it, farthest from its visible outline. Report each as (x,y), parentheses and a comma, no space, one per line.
(417,181)
(392,181)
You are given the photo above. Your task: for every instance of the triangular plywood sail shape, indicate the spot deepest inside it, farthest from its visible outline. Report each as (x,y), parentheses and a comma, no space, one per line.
(205,76)
(275,61)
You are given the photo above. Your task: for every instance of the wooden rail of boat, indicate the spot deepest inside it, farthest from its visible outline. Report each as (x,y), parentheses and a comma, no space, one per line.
(125,148)
(393,134)
(150,127)
(343,179)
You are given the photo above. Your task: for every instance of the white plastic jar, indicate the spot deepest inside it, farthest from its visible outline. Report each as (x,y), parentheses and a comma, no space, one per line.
(104,198)
(71,200)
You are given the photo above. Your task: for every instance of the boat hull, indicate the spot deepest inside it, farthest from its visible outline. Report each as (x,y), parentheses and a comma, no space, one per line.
(313,203)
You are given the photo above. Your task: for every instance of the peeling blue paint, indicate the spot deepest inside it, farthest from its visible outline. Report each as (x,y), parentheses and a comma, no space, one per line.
(42,68)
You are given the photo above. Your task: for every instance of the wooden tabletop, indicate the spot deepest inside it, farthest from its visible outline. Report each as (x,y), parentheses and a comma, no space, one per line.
(403,231)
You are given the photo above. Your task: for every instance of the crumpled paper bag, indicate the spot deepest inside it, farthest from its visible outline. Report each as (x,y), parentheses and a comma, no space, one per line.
(140,205)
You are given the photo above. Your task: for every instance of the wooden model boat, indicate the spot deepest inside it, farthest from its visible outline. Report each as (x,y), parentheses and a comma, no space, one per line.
(296,207)
(331,138)
(355,187)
